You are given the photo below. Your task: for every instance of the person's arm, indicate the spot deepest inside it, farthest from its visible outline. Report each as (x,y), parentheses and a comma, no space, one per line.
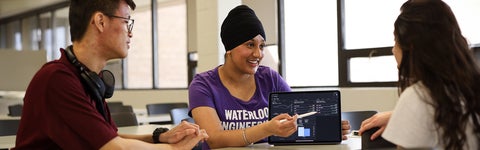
(377,120)
(172,136)
(145,138)
(345,129)
(207,118)
(119,143)
(136,142)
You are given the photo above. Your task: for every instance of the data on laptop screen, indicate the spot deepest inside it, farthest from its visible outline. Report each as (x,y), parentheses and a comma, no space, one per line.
(324,127)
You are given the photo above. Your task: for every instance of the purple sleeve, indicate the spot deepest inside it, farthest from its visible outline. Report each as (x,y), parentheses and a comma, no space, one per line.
(199,93)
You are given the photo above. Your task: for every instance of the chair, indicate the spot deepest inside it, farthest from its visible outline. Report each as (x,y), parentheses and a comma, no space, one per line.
(378,143)
(9,127)
(117,109)
(163,108)
(179,114)
(123,119)
(114,103)
(356,117)
(15,110)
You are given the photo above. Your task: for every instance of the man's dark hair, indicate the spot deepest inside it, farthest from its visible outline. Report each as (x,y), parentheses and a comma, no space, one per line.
(82,10)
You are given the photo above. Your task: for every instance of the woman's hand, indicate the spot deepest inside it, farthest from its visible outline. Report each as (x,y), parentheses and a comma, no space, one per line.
(282,125)
(378,120)
(345,129)
(191,140)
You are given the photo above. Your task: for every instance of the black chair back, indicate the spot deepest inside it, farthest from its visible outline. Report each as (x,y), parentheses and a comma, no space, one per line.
(378,143)
(356,117)
(114,103)
(163,108)
(123,119)
(15,110)
(117,109)
(9,127)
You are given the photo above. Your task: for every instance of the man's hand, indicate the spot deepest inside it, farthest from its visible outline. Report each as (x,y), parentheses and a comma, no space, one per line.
(180,132)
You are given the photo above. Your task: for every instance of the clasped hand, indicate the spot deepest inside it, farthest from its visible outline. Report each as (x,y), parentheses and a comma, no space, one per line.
(185,133)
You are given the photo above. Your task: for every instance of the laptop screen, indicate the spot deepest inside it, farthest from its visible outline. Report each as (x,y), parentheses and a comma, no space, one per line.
(324,127)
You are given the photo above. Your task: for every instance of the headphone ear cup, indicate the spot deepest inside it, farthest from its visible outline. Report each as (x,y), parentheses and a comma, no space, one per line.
(109,81)
(95,84)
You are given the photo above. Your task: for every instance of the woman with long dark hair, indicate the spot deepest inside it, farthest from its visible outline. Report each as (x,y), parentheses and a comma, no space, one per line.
(439,81)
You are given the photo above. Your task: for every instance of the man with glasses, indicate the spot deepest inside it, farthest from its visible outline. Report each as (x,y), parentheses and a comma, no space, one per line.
(128,21)
(64,105)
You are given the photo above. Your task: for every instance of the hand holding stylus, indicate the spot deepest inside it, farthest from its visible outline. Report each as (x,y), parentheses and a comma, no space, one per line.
(302,115)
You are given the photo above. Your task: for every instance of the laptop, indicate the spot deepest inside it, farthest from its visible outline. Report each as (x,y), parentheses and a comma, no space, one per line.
(323,127)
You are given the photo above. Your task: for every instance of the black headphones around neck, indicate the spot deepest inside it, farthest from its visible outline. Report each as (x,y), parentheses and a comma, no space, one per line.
(99,87)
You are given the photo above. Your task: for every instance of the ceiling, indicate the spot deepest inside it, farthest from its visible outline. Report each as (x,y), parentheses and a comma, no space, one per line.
(13,7)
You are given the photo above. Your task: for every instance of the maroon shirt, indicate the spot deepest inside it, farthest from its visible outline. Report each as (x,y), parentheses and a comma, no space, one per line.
(58,113)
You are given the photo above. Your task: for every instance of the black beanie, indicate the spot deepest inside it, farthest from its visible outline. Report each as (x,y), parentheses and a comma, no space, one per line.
(240,26)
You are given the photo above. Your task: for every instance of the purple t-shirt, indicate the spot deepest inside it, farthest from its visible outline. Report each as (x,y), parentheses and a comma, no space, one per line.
(206,89)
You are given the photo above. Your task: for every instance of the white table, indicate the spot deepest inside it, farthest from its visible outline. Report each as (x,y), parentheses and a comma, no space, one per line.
(145,119)
(353,142)
(141,129)
(7,141)
(6,117)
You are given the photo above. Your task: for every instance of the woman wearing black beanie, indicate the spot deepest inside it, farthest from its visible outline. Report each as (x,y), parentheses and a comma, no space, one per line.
(231,101)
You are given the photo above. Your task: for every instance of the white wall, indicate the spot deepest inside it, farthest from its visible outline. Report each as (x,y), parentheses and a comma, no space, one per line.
(18,67)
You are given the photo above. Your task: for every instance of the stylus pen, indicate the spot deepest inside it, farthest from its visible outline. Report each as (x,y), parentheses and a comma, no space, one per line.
(302,115)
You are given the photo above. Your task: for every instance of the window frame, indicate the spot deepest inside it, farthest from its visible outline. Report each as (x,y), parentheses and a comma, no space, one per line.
(344,55)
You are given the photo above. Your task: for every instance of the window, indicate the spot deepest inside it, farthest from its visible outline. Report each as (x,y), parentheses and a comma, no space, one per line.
(13,37)
(310,43)
(3,36)
(61,32)
(30,33)
(46,41)
(342,43)
(364,30)
(162,64)
(138,64)
(366,58)
(172,44)
(467,13)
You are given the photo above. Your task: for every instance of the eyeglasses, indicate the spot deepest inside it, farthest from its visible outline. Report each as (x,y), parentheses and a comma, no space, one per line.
(129,21)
